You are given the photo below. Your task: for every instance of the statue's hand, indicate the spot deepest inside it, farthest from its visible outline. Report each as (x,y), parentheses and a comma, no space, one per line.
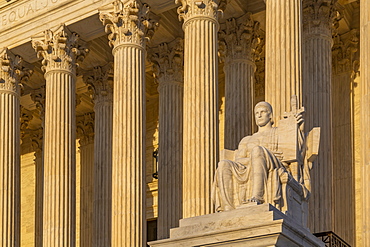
(279,155)
(299,119)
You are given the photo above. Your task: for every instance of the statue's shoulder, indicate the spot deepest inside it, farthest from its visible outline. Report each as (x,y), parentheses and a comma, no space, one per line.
(246,139)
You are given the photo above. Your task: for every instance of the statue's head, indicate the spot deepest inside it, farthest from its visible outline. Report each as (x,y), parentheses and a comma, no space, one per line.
(263,113)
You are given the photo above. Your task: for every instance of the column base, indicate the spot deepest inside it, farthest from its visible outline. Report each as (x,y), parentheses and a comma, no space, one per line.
(253,225)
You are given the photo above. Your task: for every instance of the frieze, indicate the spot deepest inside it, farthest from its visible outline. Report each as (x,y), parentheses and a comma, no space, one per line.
(22,10)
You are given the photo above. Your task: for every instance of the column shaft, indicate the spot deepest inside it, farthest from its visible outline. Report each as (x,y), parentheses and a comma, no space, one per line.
(9,168)
(128,169)
(103,173)
(239,80)
(240,43)
(317,81)
(170,157)
(87,199)
(344,128)
(317,101)
(60,160)
(283,54)
(200,153)
(130,24)
(85,132)
(365,117)
(168,68)
(12,73)
(60,50)
(100,82)
(39,190)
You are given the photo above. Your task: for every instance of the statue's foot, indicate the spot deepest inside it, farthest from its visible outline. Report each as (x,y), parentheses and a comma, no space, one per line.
(254,199)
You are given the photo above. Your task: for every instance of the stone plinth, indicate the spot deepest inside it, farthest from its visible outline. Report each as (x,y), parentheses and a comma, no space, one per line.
(253,225)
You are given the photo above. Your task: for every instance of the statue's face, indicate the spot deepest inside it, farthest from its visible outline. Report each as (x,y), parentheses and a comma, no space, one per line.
(263,115)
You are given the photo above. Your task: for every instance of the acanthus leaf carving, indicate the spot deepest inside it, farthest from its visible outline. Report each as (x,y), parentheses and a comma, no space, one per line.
(193,8)
(320,17)
(344,53)
(14,71)
(38,96)
(60,49)
(128,22)
(37,141)
(241,39)
(85,128)
(100,83)
(25,118)
(168,62)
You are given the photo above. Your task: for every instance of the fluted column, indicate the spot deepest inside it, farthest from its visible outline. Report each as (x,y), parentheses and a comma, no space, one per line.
(200,152)
(168,63)
(239,40)
(38,96)
(37,141)
(283,54)
(60,52)
(85,132)
(344,104)
(129,25)
(317,80)
(11,73)
(365,117)
(100,86)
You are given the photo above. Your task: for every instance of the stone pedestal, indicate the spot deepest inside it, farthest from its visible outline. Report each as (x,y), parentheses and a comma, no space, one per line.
(252,225)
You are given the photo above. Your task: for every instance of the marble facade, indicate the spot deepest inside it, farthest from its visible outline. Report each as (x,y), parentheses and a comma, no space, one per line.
(120,79)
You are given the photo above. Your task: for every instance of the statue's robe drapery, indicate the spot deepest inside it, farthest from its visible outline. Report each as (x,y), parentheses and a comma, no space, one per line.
(242,175)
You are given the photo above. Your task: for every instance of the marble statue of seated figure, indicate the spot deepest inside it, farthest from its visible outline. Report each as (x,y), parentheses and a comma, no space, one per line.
(255,174)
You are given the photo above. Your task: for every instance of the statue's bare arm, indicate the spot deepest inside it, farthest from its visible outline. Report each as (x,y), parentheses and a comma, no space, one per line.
(243,154)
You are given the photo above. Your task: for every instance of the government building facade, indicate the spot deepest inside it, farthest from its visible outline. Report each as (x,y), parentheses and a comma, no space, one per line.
(113,113)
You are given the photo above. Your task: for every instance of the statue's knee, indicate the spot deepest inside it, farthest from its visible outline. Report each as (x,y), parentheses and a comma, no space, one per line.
(257,151)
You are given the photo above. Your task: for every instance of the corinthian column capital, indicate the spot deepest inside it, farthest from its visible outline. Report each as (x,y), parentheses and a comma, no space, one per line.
(26,117)
(168,62)
(320,16)
(344,52)
(85,128)
(199,8)
(128,22)
(60,49)
(13,71)
(240,38)
(37,140)
(100,83)
(38,96)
